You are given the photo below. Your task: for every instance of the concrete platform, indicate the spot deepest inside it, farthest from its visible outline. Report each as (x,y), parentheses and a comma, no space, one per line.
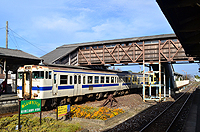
(193,120)
(12,96)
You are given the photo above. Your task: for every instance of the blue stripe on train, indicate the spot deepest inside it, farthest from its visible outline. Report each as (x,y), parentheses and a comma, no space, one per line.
(126,84)
(36,88)
(65,87)
(99,85)
(70,87)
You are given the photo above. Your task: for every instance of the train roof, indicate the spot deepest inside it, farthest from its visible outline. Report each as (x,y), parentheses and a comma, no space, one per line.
(79,67)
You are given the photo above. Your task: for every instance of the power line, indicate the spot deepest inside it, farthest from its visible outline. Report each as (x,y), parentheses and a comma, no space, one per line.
(27,41)
(2,27)
(13,41)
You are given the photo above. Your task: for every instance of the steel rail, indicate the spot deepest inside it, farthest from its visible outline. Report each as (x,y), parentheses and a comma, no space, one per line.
(164,110)
(180,111)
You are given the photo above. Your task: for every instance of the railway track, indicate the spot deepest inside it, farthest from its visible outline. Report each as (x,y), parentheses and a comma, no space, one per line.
(168,119)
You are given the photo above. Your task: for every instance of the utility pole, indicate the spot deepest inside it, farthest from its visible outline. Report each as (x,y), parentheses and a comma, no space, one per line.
(6,34)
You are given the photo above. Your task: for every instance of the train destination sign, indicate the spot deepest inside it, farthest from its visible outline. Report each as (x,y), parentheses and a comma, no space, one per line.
(30,106)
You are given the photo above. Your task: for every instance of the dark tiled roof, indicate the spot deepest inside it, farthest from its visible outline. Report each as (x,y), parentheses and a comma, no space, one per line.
(57,53)
(154,37)
(17,53)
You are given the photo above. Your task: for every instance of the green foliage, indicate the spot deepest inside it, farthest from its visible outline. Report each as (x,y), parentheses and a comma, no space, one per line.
(32,124)
(197,76)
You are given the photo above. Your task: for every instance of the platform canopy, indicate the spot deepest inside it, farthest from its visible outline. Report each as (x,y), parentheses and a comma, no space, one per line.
(15,58)
(184,18)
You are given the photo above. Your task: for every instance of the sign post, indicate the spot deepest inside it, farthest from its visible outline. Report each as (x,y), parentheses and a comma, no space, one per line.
(29,106)
(63,110)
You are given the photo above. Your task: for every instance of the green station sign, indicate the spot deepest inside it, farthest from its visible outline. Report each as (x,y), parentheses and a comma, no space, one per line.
(30,106)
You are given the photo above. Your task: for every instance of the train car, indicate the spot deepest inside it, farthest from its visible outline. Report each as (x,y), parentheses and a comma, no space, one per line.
(56,83)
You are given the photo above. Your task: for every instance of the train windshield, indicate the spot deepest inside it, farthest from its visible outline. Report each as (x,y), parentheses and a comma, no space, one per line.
(38,74)
(20,74)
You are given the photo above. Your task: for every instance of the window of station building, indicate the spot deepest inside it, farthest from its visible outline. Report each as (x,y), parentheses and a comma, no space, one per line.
(163,41)
(107,79)
(102,79)
(94,47)
(141,42)
(79,79)
(70,80)
(101,46)
(38,74)
(90,79)
(112,79)
(83,79)
(175,40)
(96,79)
(63,79)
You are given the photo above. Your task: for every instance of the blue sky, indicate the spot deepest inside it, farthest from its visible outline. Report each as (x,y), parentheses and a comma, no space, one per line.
(48,24)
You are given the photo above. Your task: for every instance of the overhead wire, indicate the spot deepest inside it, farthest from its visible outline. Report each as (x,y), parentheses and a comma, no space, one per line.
(27,41)
(3,28)
(13,41)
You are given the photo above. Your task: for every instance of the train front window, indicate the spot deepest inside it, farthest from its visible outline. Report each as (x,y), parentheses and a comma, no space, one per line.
(38,74)
(20,75)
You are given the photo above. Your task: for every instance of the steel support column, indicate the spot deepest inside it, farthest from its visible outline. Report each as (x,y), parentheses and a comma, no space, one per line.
(164,84)
(169,87)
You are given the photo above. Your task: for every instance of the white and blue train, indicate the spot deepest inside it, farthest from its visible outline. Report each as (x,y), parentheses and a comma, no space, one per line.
(56,83)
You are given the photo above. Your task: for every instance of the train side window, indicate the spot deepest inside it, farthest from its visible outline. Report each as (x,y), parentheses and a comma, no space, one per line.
(90,79)
(151,77)
(46,75)
(49,74)
(63,79)
(79,79)
(83,79)
(75,79)
(70,80)
(112,79)
(54,78)
(102,79)
(107,79)
(96,80)
(129,79)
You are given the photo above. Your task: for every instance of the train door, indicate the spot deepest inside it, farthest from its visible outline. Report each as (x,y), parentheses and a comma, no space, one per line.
(55,84)
(27,84)
(77,84)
